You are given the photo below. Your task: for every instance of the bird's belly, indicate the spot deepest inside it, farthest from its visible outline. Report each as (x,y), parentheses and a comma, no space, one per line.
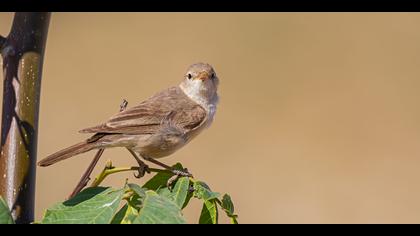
(166,141)
(157,146)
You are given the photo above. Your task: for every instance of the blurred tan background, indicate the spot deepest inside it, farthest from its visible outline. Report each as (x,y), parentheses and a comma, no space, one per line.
(319,118)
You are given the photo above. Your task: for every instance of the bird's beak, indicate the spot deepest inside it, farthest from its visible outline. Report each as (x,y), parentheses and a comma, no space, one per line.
(203,76)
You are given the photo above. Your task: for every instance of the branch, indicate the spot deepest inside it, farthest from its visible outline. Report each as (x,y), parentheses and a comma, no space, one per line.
(2,41)
(110,169)
(86,176)
(22,68)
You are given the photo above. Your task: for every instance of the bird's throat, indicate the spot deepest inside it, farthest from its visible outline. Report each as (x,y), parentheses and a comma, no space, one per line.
(207,99)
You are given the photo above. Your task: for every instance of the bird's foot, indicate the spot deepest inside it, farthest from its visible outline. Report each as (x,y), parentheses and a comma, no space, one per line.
(177,173)
(182,173)
(142,170)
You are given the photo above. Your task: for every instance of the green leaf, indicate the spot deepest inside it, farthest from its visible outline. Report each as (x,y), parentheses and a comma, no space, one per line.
(202,191)
(137,199)
(160,179)
(118,218)
(93,205)
(164,192)
(159,210)
(131,215)
(209,214)
(187,199)
(180,194)
(227,204)
(180,191)
(5,216)
(126,215)
(233,220)
(141,192)
(228,207)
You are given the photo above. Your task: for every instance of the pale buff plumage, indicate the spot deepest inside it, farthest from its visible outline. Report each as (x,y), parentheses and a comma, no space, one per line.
(161,124)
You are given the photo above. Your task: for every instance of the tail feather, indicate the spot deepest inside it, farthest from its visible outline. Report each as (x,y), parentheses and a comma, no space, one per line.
(67,153)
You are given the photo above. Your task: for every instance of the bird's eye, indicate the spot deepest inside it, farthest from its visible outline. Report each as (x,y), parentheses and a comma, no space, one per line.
(213,75)
(189,76)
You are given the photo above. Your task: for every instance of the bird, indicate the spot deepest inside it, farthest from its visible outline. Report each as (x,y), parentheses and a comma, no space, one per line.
(158,126)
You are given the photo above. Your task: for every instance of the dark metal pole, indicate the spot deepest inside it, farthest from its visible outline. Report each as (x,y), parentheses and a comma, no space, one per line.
(22,52)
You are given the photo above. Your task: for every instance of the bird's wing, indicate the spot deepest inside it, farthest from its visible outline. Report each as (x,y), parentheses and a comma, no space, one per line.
(146,118)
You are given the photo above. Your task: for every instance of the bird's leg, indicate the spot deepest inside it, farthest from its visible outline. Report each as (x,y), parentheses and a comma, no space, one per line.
(143,168)
(183,172)
(177,173)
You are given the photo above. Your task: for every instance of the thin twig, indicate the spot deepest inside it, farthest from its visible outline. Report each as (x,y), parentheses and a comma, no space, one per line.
(171,169)
(2,42)
(86,176)
(109,169)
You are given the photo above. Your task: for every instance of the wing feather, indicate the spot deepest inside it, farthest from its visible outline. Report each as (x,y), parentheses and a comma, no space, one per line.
(146,118)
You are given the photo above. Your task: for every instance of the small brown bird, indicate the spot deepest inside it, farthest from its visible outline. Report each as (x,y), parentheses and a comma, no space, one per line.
(158,126)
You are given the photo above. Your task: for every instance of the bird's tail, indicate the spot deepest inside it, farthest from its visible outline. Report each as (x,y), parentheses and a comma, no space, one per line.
(67,153)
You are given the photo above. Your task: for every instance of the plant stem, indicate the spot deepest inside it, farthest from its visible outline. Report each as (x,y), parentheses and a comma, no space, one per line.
(22,52)
(109,169)
(86,176)
(2,41)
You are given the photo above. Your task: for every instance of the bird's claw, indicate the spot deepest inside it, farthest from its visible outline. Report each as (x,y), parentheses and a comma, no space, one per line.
(171,181)
(177,174)
(141,171)
(182,173)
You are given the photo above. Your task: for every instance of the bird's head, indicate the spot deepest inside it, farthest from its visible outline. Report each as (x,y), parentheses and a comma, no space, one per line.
(200,82)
